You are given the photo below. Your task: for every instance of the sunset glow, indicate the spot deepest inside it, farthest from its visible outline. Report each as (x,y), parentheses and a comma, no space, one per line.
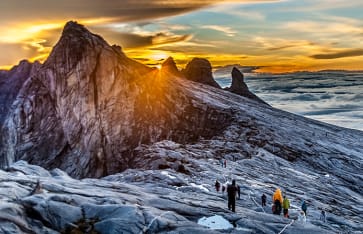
(279,36)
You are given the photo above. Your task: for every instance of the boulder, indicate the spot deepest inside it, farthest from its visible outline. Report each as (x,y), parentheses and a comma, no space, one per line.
(200,70)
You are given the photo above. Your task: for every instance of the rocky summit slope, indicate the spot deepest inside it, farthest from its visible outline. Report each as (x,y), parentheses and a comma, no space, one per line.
(155,139)
(89,106)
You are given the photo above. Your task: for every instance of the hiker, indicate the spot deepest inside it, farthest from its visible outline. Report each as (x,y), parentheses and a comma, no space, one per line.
(225,163)
(218,185)
(277,201)
(323,216)
(221,161)
(231,192)
(286,206)
(276,207)
(302,217)
(223,188)
(239,192)
(304,207)
(263,199)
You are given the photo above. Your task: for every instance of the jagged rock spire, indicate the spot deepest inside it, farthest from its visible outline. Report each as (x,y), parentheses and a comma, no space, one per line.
(239,87)
(75,42)
(169,65)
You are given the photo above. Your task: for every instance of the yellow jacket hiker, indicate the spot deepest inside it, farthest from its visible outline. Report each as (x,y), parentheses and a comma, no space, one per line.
(277,196)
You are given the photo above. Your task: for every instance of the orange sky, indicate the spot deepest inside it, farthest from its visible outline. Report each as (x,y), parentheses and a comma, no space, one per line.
(280,35)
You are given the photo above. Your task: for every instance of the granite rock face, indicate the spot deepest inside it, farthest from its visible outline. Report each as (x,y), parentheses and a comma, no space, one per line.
(200,70)
(89,106)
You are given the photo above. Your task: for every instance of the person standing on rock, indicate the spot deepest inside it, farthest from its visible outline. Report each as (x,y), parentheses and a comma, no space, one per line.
(263,199)
(239,192)
(225,163)
(217,185)
(304,207)
(277,201)
(232,192)
(286,206)
(323,216)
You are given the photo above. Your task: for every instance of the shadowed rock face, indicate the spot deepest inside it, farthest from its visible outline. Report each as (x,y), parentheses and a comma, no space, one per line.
(89,107)
(200,70)
(11,82)
(239,87)
(169,66)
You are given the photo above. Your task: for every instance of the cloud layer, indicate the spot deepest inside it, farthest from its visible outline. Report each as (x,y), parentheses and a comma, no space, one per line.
(333,97)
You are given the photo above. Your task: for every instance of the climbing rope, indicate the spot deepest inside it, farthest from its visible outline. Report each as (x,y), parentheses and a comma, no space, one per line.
(152,221)
(287,225)
(249,195)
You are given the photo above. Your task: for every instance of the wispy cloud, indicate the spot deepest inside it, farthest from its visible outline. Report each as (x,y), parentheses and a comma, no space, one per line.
(227,30)
(236,10)
(280,44)
(323,27)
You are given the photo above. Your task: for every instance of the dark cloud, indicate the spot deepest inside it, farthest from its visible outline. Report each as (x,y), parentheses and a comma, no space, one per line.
(228,68)
(357,97)
(326,96)
(327,111)
(305,97)
(134,40)
(333,110)
(121,10)
(342,54)
(288,46)
(281,47)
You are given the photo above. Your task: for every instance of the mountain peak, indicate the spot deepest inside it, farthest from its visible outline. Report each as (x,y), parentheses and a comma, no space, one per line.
(169,65)
(79,32)
(169,61)
(75,43)
(71,26)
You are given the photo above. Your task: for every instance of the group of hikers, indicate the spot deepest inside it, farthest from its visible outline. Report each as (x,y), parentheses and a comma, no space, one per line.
(233,191)
(223,162)
(280,202)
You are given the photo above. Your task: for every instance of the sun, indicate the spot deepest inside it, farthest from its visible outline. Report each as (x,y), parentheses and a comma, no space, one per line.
(158,56)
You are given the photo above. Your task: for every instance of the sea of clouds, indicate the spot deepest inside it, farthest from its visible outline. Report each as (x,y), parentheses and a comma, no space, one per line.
(334,97)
